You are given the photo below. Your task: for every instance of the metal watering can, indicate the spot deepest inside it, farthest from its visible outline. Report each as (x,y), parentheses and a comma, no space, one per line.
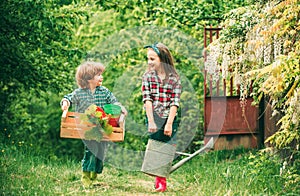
(159,157)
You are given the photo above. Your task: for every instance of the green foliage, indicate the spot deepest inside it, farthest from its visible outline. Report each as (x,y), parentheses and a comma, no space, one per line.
(261,44)
(269,163)
(39,49)
(264,164)
(42,42)
(36,126)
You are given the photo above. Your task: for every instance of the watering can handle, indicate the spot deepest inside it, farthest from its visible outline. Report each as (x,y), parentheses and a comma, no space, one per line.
(209,145)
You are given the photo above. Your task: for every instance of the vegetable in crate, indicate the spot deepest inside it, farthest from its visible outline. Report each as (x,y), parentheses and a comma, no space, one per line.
(114,111)
(95,115)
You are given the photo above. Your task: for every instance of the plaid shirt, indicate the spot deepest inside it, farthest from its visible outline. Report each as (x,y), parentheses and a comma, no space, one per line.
(83,98)
(163,96)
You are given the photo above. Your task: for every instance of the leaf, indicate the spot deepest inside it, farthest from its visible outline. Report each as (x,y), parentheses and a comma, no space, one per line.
(93,134)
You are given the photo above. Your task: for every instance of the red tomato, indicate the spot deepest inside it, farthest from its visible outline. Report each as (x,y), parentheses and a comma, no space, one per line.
(98,109)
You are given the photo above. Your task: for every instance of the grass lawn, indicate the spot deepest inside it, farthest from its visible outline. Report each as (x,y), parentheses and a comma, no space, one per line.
(213,173)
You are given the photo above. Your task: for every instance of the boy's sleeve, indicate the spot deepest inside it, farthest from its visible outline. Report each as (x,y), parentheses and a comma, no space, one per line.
(68,98)
(110,98)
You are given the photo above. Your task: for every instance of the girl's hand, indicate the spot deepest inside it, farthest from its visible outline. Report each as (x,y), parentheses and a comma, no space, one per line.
(152,127)
(168,130)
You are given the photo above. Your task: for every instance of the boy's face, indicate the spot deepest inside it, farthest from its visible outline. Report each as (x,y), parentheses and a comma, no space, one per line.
(97,80)
(100,80)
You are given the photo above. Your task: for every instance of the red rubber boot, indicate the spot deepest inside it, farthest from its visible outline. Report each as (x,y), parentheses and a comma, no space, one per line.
(157,181)
(162,184)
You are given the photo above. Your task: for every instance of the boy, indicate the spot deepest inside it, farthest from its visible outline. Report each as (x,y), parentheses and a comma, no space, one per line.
(89,80)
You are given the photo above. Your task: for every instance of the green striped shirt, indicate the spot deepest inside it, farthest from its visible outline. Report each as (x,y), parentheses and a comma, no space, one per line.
(83,98)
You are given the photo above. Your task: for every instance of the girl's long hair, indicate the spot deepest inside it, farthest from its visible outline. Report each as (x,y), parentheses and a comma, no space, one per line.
(166,60)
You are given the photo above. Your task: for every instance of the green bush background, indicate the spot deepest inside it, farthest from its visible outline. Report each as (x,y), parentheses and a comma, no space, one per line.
(42,42)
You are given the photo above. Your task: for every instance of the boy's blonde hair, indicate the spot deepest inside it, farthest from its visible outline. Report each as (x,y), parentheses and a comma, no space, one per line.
(87,71)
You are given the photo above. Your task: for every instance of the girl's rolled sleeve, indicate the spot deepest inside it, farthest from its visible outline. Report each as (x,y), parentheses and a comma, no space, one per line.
(176,94)
(146,91)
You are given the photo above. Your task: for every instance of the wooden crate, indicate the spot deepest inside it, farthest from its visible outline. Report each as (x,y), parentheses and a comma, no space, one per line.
(71,127)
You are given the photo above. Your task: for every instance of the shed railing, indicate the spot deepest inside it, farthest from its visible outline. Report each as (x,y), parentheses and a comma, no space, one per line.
(225,120)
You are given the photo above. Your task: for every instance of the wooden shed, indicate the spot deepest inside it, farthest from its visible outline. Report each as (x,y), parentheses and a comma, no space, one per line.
(230,125)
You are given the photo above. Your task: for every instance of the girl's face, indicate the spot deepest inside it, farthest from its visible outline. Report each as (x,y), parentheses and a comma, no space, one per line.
(153,60)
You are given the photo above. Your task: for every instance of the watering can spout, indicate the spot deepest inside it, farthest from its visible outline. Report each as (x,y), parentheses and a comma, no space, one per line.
(209,145)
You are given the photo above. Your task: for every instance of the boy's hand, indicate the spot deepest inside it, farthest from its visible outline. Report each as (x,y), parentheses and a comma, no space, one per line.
(65,105)
(124,111)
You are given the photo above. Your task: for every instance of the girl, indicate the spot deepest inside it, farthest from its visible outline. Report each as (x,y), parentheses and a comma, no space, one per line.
(89,80)
(161,89)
